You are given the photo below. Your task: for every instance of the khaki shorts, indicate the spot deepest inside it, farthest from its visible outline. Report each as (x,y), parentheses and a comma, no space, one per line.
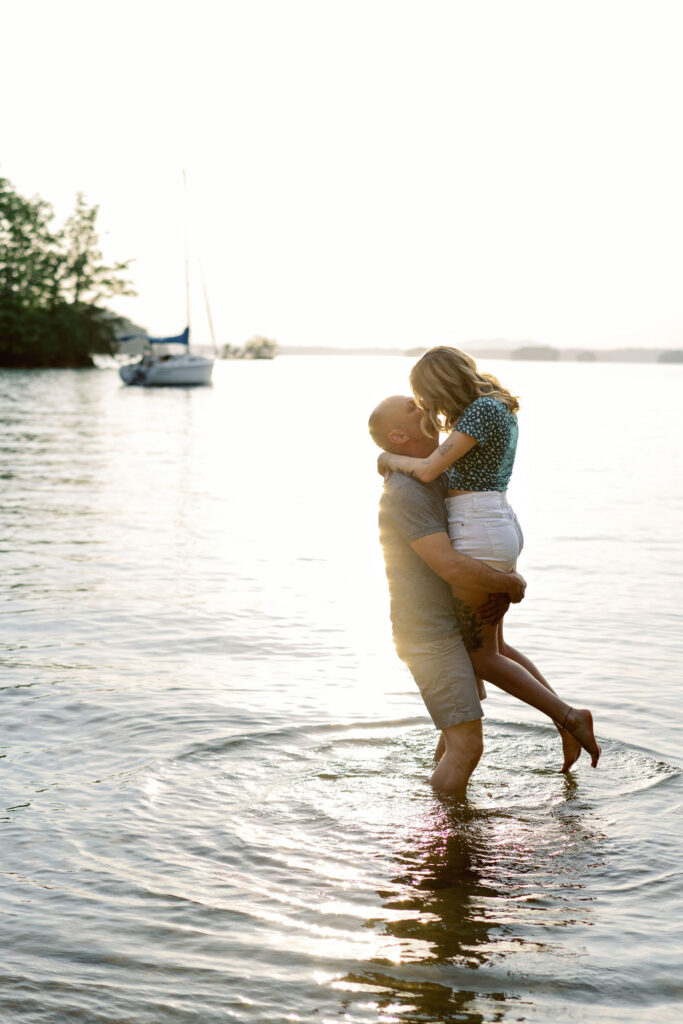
(445,677)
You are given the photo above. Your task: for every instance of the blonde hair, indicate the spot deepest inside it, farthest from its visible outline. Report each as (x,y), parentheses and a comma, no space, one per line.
(445,381)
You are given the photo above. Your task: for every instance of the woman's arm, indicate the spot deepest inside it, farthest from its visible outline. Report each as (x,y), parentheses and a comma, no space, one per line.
(454,447)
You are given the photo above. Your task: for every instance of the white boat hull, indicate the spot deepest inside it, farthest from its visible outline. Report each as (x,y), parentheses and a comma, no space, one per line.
(186,370)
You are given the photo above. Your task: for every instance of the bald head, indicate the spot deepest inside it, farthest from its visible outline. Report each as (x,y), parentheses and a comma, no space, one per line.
(384,418)
(396,426)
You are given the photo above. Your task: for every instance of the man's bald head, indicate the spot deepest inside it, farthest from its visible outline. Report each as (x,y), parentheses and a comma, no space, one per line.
(384,418)
(396,426)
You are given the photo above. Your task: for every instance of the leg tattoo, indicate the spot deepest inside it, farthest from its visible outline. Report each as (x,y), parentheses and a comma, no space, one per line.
(470,625)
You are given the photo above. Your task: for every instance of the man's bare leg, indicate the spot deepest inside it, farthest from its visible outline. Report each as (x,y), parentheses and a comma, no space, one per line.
(571,748)
(441,743)
(464,745)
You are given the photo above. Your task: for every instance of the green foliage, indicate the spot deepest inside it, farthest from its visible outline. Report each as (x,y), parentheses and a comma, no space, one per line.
(259,348)
(231,352)
(256,348)
(51,285)
(84,275)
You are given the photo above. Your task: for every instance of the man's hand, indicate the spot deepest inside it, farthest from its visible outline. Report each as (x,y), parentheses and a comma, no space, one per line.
(494,609)
(515,586)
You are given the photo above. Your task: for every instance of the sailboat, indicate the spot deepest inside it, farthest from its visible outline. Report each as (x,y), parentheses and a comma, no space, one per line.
(160,368)
(168,362)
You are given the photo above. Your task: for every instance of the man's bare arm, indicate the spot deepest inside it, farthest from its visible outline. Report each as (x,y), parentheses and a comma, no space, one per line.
(453,448)
(462,571)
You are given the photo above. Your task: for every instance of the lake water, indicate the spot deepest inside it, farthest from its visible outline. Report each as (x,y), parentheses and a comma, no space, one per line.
(214,803)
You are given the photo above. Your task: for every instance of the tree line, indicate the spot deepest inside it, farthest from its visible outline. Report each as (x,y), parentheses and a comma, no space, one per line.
(53,283)
(257,347)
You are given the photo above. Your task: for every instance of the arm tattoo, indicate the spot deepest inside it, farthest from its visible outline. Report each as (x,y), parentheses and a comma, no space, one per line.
(394,463)
(446,447)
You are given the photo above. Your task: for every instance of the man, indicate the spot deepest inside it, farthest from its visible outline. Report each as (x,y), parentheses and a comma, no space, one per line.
(421,564)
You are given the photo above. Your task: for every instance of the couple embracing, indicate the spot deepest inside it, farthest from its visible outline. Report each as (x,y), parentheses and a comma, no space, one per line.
(451,543)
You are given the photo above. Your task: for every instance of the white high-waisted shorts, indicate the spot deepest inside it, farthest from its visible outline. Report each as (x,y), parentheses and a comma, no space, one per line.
(482,525)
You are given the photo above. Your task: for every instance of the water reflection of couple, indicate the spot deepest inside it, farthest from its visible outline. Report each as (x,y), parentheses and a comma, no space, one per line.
(451,564)
(460,937)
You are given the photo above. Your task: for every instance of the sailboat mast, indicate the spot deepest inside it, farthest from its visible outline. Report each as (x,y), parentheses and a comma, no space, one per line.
(208,309)
(187,255)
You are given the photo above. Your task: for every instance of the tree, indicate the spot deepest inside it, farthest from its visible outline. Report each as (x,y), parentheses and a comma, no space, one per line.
(256,348)
(52,284)
(84,277)
(259,348)
(29,251)
(231,352)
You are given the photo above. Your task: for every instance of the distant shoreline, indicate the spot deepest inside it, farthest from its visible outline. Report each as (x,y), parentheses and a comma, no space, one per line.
(525,353)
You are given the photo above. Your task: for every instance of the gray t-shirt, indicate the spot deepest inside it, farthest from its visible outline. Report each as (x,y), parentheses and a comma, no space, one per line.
(421,602)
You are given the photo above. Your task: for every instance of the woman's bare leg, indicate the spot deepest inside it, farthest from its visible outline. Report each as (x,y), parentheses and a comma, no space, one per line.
(481,641)
(571,748)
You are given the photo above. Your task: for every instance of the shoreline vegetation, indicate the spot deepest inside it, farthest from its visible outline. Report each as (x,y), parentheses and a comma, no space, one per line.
(257,347)
(53,284)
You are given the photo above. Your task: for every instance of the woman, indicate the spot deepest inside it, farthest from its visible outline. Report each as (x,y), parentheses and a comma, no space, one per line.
(479,454)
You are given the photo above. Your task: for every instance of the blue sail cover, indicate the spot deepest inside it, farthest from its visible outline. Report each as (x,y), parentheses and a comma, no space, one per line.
(178,339)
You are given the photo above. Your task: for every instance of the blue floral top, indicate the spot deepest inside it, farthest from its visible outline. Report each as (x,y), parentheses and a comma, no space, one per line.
(487,466)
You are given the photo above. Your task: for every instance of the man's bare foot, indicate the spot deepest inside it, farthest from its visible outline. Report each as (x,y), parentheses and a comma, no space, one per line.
(579,722)
(571,748)
(440,748)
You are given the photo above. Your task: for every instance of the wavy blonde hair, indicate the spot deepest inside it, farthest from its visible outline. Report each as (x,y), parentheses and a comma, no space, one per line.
(445,381)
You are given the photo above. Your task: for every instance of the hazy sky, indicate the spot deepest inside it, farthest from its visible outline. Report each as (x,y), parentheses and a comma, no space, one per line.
(377,172)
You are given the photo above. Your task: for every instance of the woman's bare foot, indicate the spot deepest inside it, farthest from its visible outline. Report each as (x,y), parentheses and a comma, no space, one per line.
(579,722)
(571,748)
